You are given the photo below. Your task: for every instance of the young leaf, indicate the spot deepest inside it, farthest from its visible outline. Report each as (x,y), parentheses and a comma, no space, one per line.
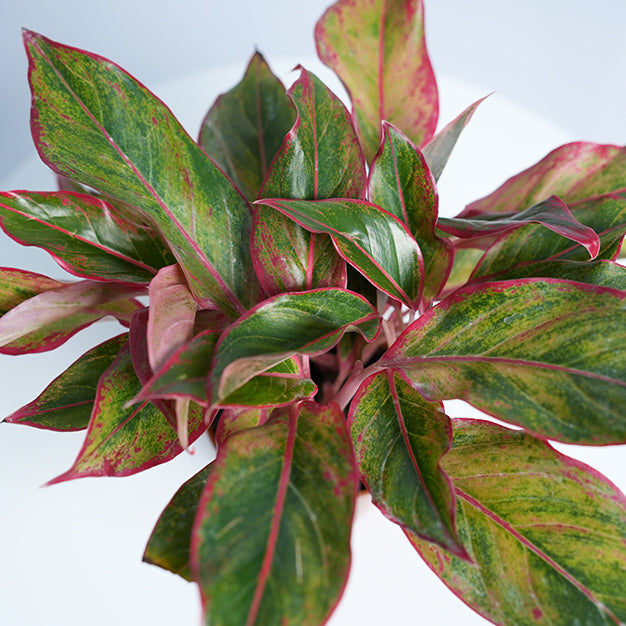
(378,50)
(169,543)
(545,532)
(371,239)
(573,172)
(122,440)
(84,234)
(438,150)
(49,319)
(401,183)
(16,286)
(85,105)
(399,439)
(551,213)
(320,158)
(545,354)
(246,126)
(66,403)
(265,542)
(171,316)
(309,322)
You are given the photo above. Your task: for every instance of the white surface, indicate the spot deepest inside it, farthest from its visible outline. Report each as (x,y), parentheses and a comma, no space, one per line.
(71,553)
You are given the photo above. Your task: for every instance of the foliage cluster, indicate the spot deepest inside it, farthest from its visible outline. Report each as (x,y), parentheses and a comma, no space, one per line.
(310,309)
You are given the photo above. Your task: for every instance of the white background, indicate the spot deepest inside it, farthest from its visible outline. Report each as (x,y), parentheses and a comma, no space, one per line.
(70,554)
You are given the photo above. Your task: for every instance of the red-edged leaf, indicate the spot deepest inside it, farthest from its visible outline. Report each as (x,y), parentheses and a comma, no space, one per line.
(545,354)
(122,440)
(235,420)
(371,239)
(546,533)
(66,403)
(48,319)
(16,286)
(309,322)
(171,316)
(86,235)
(94,123)
(265,541)
(399,439)
(551,213)
(378,50)
(400,182)
(573,172)
(438,150)
(320,158)
(246,126)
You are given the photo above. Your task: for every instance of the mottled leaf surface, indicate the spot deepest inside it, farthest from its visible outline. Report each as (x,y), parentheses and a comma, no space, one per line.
(378,50)
(438,150)
(84,234)
(545,354)
(547,533)
(246,126)
(169,545)
(66,403)
(17,285)
(265,542)
(400,182)
(371,239)
(94,123)
(122,440)
(320,158)
(399,439)
(50,318)
(307,323)
(573,172)
(551,213)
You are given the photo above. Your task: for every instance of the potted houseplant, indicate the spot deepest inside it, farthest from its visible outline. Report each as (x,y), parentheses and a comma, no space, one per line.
(286,283)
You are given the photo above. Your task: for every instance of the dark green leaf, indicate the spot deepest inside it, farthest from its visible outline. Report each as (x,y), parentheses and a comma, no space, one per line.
(546,354)
(96,124)
(84,234)
(546,533)
(401,183)
(374,241)
(246,126)
(399,439)
(266,544)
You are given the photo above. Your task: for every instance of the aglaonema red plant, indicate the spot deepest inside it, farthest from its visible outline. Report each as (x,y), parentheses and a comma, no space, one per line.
(286,284)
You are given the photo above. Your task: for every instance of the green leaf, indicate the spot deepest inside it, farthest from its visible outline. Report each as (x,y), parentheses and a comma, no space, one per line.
(378,50)
(122,440)
(399,439)
(400,182)
(246,126)
(310,322)
(17,285)
(438,150)
(573,172)
(545,354)
(96,124)
(169,543)
(66,403)
(265,542)
(371,239)
(320,158)
(606,215)
(551,213)
(184,374)
(85,235)
(546,532)
(50,318)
